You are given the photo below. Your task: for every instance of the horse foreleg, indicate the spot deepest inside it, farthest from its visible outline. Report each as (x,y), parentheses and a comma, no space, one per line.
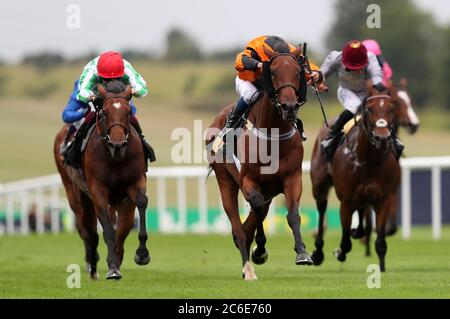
(138,197)
(125,223)
(259,253)
(346,213)
(292,191)
(382,212)
(317,255)
(88,224)
(368,229)
(100,198)
(229,193)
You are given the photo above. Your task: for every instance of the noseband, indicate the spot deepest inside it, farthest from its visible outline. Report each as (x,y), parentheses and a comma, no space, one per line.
(368,129)
(100,121)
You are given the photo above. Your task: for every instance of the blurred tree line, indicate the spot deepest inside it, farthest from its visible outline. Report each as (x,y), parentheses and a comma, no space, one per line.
(413,44)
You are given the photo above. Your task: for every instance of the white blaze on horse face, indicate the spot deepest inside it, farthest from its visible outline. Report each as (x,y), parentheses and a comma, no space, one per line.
(117,105)
(411,113)
(382,103)
(381,123)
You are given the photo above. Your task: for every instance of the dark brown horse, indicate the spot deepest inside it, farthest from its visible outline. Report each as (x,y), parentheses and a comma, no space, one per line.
(364,172)
(405,116)
(278,113)
(112,178)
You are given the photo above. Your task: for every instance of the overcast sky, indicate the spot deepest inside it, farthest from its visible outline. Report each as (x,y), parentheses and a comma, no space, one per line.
(32,26)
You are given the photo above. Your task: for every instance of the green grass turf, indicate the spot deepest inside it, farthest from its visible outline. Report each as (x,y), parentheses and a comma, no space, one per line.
(208,266)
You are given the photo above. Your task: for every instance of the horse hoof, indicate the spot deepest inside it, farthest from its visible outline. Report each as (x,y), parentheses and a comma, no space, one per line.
(357,233)
(248,272)
(259,260)
(95,276)
(114,274)
(142,258)
(339,255)
(317,257)
(303,259)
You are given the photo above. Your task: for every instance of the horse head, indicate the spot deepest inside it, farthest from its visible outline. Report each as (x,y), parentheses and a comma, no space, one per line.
(405,113)
(378,117)
(284,75)
(113,118)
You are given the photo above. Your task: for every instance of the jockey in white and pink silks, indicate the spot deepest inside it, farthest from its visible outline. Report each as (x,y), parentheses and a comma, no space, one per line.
(373,46)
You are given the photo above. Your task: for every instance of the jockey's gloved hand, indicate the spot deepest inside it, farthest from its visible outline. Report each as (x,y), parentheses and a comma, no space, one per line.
(379,87)
(97,100)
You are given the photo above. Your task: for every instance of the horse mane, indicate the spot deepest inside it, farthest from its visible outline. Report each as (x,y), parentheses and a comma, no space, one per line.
(115,86)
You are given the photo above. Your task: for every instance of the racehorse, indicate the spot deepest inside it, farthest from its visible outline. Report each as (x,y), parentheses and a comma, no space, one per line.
(406,117)
(364,172)
(277,108)
(112,178)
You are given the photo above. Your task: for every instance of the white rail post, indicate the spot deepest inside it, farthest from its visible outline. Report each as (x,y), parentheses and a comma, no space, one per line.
(161,203)
(40,223)
(24,227)
(202,226)
(182,207)
(10,214)
(436,213)
(54,209)
(406,203)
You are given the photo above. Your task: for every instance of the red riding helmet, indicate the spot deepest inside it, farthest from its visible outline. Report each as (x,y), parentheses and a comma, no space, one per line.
(110,65)
(354,55)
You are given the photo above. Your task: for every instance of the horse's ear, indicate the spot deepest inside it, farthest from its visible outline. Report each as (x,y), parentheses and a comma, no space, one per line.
(403,83)
(270,54)
(128,92)
(297,52)
(101,89)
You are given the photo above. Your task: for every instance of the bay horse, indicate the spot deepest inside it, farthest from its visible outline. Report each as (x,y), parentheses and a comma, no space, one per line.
(112,178)
(364,172)
(277,112)
(406,117)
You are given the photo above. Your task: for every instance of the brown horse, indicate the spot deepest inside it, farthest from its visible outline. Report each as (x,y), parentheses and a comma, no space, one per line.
(364,172)
(405,116)
(278,113)
(112,178)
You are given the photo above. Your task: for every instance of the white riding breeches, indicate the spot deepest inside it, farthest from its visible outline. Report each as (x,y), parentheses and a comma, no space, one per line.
(349,99)
(247,90)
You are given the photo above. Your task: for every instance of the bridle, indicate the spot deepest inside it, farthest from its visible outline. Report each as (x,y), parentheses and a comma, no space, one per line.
(275,101)
(367,127)
(100,121)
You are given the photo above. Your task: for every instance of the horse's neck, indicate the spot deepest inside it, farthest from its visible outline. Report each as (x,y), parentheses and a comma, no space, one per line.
(266,116)
(365,151)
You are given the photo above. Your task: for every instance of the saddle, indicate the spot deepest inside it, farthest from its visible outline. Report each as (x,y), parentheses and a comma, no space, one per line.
(78,141)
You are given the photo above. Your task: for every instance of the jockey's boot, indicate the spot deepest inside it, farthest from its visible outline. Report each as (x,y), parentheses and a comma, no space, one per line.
(148,150)
(234,116)
(299,124)
(63,146)
(72,153)
(398,146)
(328,145)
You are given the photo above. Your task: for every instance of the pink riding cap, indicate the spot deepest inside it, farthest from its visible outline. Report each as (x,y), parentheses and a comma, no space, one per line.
(373,46)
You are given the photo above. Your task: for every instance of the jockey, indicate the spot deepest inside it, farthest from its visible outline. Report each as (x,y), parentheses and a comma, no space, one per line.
(109,65)
(354,66)
(373,46)
(249,64)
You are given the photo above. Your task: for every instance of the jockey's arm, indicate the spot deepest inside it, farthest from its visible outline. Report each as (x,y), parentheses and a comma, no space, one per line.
(374,69)
(245,61)
(137,82)
(87,83)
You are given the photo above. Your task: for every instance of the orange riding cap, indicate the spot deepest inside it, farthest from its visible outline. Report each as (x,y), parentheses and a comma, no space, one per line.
(246,61)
